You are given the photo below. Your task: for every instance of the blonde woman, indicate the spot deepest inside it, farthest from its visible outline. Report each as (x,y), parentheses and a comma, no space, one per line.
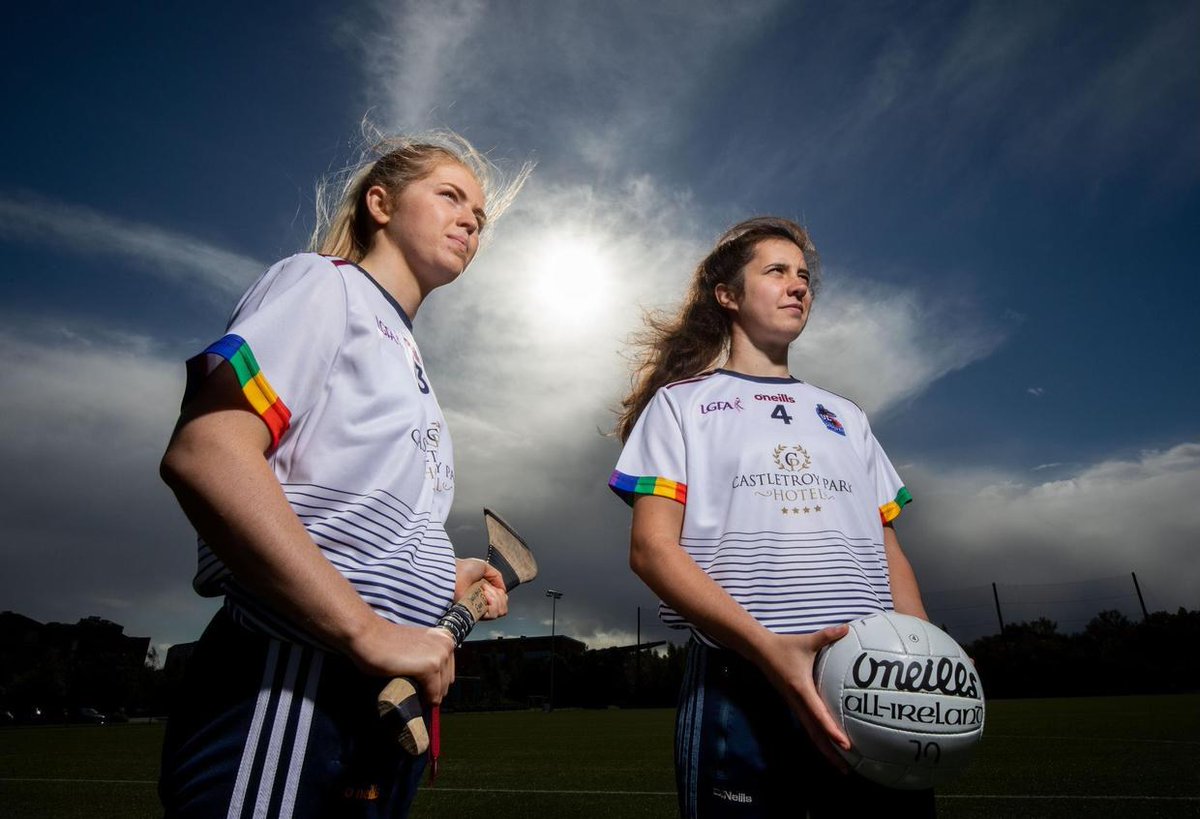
(313,460)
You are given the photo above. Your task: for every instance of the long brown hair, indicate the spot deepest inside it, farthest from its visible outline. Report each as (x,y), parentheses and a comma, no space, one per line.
(694,339)
(344,226)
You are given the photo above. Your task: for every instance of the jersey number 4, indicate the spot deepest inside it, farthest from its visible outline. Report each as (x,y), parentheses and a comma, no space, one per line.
(781,413)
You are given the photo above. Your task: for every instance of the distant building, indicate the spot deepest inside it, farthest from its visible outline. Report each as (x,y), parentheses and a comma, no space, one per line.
(510,672)
(23,638)
(64,664)
(476,655)
(177,660)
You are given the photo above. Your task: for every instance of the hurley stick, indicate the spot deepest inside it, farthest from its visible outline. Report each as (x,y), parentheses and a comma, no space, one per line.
(399,702)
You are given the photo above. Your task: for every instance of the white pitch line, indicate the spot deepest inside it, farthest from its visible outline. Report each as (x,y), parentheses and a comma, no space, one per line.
(83,781)
(1069,797)
(1096,739)
(436,789)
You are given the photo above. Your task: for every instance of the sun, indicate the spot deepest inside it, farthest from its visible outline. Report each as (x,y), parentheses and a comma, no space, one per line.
(570,281)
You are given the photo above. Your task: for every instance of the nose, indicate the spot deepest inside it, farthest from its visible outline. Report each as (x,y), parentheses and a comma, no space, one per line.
(798,286)
(468,220)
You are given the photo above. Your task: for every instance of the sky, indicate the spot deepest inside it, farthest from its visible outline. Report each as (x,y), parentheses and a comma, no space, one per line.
(1006,199)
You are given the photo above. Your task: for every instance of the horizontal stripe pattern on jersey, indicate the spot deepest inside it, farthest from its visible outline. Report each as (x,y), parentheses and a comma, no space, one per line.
(786,492)
(396,560)
(793,583)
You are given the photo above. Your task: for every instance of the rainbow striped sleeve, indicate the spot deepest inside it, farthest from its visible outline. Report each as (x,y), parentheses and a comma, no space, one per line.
(258,392)
(891,510)
(630,486)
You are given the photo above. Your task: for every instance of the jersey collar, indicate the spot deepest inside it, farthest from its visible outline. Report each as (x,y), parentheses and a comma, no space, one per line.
(391,300)
(759,379)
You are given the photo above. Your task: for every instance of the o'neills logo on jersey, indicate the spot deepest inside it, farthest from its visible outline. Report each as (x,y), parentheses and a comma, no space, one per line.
(720,406)
(782,398)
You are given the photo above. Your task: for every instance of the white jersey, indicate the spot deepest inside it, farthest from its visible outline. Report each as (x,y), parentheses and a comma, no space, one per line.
(327,358)
(785,491)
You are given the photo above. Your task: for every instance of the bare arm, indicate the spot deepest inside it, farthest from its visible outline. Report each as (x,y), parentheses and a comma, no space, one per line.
(215,464)
(906,594)
(656,557)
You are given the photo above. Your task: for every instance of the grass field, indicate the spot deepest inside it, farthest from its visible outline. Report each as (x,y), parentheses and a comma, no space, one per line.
(1119,757)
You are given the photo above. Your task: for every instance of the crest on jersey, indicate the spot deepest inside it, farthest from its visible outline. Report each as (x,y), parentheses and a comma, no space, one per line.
(793,458)
(830,420)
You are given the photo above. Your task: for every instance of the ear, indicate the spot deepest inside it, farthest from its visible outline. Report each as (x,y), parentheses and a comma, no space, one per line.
(725,297)
(379,204)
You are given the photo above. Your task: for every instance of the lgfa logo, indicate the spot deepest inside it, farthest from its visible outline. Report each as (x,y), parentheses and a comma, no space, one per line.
(386,332)
(718,406)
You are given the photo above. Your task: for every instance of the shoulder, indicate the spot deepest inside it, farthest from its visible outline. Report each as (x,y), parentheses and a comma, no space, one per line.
(306,284)
(312,270)
(832,399)
(678,390)
(305,265)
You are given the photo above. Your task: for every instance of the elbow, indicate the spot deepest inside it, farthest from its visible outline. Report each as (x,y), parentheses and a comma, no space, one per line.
(169,467)
(179,464)
(640,558)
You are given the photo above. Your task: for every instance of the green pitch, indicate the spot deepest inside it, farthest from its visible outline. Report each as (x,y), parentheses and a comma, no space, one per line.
(1120,756)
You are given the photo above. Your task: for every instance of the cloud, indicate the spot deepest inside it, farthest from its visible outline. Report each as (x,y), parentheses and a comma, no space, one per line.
(880,344)
(529,66)
(164,254)
(530,381)
(1100,522)
(89,528)
(420,43)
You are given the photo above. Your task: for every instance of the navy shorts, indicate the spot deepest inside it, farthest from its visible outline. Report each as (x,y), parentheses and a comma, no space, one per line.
(740,752)
(264,728)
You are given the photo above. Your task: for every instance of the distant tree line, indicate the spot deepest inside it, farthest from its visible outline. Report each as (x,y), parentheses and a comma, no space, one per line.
(1111,656)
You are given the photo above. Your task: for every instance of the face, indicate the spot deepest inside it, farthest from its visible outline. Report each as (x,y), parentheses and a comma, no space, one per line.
(776,299)
(435,224)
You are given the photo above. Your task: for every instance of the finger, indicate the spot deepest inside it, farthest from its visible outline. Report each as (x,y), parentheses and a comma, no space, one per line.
(497,603)
(822,719)
(821,741)
(830,634)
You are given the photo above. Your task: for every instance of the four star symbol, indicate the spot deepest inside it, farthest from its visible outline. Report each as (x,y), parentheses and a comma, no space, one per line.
(795,510)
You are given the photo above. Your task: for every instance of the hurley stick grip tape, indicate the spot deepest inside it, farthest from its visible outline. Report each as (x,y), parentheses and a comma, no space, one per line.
(399,703)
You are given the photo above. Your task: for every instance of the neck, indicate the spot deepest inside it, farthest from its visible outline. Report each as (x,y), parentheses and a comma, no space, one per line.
(747,358)
(387,266)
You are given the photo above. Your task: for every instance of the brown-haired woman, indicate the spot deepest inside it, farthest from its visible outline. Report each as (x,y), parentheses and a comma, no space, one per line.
(314,463)
(762,518)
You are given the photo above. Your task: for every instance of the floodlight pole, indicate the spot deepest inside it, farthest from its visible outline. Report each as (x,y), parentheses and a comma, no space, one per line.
(554,596)
(1142,600)
(637,656)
